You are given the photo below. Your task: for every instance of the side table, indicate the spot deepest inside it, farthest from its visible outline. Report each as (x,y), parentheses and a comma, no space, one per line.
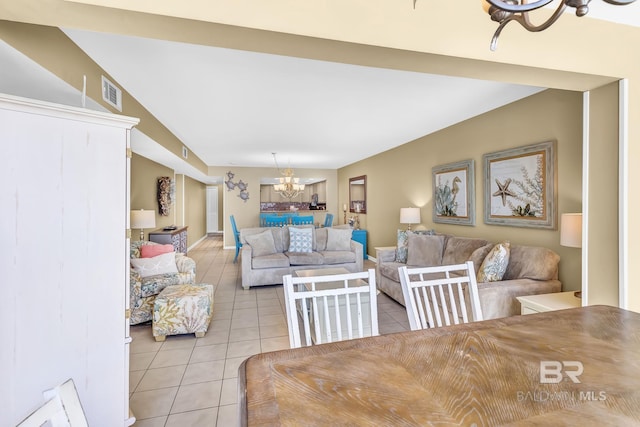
(360,236)
(548,302)
(177,238)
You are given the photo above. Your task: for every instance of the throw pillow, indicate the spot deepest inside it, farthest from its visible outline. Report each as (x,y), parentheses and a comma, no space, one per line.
(262,243)
(161,264)
(402,243)
(424,250)
(479,255)
(338,239)
(300,239)
(149,251)
(495,264)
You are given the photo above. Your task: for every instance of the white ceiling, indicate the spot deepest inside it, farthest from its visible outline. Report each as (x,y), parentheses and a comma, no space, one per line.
(235,108)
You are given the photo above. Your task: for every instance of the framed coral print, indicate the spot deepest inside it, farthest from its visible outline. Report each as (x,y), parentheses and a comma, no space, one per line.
(454,193)
(520,186)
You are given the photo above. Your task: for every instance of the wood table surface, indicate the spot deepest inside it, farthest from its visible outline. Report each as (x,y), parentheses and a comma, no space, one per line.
(484,374)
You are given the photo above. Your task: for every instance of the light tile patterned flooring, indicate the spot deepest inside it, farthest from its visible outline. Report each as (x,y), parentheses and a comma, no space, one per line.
(188,381)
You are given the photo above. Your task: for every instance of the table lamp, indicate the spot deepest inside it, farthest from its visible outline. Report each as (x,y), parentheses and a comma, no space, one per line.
(571,230)
(143,219)
(409,216)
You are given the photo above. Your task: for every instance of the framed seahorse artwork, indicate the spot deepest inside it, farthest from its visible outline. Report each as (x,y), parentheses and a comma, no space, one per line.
(519,186)
(454,193)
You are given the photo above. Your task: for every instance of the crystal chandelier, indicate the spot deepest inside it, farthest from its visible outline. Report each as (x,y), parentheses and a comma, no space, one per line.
(289,186)
(505,11)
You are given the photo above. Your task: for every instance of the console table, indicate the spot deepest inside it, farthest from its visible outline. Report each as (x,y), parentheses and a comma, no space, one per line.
(360,236)
(177,238)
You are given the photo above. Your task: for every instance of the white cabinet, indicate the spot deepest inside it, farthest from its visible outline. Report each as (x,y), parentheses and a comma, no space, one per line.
(64,263)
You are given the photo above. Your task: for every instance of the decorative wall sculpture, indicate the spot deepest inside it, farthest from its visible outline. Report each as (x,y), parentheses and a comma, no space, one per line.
(164,195)
(240,185)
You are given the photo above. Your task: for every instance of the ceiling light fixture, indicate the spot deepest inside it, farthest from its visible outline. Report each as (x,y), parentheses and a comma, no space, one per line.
(505,11)
(289,186)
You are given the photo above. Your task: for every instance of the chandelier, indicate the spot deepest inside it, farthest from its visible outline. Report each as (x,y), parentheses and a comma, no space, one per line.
(505,11)
(288,186)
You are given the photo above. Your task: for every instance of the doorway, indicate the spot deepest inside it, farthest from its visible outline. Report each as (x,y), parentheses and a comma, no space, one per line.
(212,210)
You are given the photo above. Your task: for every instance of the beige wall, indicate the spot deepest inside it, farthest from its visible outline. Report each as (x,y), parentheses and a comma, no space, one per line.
(144,185)
(189,193)
(195,210)
(402,177)
(603,196)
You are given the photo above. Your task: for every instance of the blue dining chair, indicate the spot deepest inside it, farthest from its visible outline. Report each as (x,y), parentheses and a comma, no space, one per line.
(328,220)
(236,235)
(275,221)
(299,220)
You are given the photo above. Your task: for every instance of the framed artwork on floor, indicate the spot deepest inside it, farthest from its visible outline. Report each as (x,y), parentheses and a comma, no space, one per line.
(520,186)
(454,193)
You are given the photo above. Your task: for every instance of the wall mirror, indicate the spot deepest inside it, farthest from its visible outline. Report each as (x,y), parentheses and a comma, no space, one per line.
(358,194)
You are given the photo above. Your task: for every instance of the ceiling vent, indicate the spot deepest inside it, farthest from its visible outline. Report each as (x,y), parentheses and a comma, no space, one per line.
(111,94)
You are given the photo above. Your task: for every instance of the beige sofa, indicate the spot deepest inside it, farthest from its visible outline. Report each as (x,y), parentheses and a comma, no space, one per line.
(264,264)
(531,270)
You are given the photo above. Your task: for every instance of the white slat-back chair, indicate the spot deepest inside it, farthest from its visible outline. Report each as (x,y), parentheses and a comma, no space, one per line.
(332,308)
(435,296)
(62,409)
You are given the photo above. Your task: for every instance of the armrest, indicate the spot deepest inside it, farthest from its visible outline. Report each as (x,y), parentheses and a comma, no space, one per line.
(386,255)
(185,264)
(498,299)
(357,248)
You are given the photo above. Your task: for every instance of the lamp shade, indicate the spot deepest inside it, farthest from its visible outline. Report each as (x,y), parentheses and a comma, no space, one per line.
(409,215)
(571,230)
(143,219)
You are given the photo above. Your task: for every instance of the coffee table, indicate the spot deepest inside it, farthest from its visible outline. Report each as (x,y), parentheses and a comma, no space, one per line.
(366,312)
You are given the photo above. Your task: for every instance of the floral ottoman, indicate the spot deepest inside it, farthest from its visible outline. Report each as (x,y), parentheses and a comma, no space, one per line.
(182,309)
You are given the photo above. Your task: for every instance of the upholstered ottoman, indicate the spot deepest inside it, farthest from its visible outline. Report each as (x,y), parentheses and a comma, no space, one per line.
(182,309)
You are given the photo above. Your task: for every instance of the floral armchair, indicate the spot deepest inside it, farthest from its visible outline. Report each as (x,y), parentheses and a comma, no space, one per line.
(144,289)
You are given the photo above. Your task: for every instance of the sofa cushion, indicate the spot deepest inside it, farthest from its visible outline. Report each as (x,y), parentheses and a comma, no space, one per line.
(479,255)
(161,264)
(530,262)
(300,239)
(495,264)
(390,270)
(339,239)
(320,242)
(424,250)
(402,242)
(459,249)
(270,261)
(305,258)
(152,285)
(338,257)
(262,243)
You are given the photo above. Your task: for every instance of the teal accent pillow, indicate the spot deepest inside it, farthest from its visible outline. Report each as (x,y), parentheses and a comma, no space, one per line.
(495,264)
(300,239)
(403,243)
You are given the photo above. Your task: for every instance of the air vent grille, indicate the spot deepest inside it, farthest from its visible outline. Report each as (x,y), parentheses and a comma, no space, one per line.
(111,94)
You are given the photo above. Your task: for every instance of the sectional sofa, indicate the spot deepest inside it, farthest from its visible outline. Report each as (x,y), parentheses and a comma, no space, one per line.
(530,270)
(268,253)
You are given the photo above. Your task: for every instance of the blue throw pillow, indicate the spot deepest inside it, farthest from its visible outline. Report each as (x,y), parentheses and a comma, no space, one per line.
(300,239)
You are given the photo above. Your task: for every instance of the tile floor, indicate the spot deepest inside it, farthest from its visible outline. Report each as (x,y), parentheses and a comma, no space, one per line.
(188,381)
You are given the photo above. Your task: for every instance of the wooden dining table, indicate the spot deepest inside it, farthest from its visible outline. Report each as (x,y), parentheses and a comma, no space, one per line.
(570,367)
